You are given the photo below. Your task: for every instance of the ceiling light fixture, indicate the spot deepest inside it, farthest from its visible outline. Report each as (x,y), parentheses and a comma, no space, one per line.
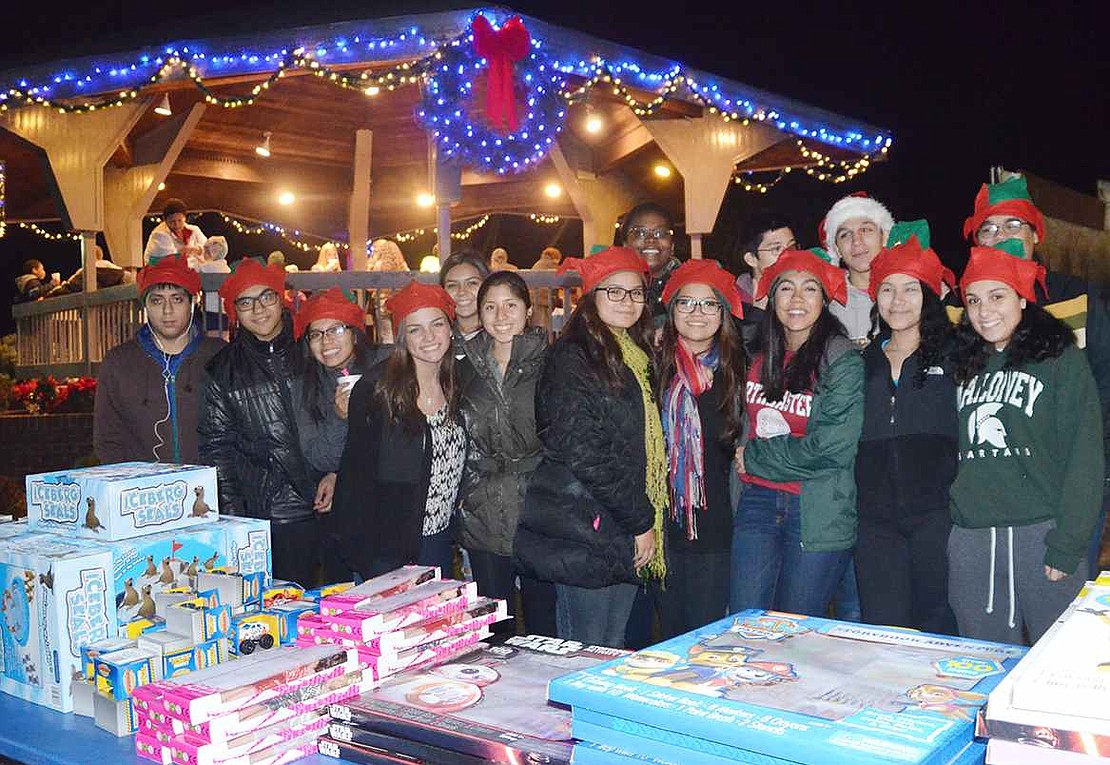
(662,170)
(286,198)
(164,107)
(553,190)
(263,149)
(594,122)
(424,199)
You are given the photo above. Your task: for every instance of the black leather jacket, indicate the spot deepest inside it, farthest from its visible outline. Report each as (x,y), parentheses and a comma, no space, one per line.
(248,431)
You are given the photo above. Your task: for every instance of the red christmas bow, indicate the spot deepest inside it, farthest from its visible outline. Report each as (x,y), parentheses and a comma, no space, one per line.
(501,49)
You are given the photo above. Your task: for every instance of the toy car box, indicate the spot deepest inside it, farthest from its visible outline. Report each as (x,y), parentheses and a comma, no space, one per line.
(122,500)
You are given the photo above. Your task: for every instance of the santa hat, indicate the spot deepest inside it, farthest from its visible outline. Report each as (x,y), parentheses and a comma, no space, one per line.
(215,248)
(1007,198)
(597,267)
(417,295)
(832,278)
(1004,263)
(913,260)
(328,304)
(172,269)
(709,272)
(245,274)
(857,205)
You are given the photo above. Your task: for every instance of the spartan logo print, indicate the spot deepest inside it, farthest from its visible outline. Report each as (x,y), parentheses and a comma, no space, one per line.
(984,427)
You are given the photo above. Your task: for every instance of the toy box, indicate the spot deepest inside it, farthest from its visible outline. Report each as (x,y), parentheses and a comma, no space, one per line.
(117,716)
(489,703)
(118,673)
(123,500)
(197,620)
(107,645)
(55,597)
(804,689)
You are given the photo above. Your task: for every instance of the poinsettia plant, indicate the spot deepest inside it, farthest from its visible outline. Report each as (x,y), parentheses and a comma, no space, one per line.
(48,395)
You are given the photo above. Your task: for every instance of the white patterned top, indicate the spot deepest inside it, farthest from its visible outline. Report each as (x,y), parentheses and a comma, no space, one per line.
(448,456)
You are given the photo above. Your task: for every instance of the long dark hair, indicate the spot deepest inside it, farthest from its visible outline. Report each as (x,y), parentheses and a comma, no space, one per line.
(935,330)
(313,374)
(732,368)
(1038,336)
(511,279)
(398,390)
(801,374)
(586,328)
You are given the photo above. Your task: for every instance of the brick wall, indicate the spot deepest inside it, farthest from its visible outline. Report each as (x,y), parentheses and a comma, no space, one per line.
(42,442)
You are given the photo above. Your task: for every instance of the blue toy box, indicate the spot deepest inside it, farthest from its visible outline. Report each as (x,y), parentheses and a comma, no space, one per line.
(123,500)
(763,684)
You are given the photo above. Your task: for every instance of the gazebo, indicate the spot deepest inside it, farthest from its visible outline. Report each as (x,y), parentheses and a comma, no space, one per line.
(385,126)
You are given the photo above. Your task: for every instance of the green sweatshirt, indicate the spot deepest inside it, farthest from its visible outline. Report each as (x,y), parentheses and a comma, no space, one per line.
(1031,451)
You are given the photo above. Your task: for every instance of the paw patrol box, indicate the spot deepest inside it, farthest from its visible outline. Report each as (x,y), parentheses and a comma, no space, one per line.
(55,597)
(123,500)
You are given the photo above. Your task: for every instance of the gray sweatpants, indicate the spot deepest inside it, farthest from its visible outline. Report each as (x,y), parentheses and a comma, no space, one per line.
(981,572)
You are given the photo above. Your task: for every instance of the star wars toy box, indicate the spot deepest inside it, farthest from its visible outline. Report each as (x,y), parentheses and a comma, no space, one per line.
(764,684)
(56,597)
(1057,698)
(123,500)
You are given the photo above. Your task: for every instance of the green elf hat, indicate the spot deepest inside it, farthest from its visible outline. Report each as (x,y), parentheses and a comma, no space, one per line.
(823,254)
(1007,198)
(901,232)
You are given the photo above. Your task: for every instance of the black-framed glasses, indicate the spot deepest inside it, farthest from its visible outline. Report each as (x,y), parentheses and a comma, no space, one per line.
(617,294)
(1008,229)
(643,232)
(336,332)
(707,306)
(778,249)
(267,299)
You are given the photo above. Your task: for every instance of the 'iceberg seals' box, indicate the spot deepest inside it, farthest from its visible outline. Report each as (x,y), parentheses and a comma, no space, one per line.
(120,501)
(55,597)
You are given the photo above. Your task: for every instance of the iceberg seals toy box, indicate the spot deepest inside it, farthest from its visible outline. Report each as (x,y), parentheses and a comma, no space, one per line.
(120,501)
(55,597)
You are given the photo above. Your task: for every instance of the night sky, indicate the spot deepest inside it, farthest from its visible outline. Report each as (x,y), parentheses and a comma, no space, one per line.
(960,88)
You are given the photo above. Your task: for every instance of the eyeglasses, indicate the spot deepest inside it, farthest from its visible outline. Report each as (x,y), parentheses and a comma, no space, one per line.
(335,333)
(707,306)
(643,232)
(617,294)
(250,304)
(1007,230)
(778,249)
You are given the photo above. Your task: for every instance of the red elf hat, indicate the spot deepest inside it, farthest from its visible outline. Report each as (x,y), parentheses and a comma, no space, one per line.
(329,304)
(1003,263)
(173,269)
(705,271)
(417,295)
(247,273)
(1007,198)
(832,278)
(912,259)
(609,261)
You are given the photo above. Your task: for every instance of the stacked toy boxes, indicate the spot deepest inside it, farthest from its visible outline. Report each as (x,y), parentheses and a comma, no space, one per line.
(765,687)
(1054,707)
(486,705)
(105,552)
(405,618)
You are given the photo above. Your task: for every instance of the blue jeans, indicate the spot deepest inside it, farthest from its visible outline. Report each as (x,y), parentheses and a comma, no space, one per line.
(594,616)
(770,570)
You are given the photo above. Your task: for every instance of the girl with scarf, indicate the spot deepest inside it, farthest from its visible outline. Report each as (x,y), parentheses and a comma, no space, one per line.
(1028,488)
(593,512)
(701,387)
(795,525)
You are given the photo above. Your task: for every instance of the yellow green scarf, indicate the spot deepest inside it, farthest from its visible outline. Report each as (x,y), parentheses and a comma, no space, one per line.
(636,360)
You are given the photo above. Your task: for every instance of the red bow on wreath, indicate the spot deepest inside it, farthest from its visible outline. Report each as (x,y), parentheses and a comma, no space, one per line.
(501,49)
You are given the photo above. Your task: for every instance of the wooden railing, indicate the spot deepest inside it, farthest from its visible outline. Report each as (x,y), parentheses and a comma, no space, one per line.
(70,335)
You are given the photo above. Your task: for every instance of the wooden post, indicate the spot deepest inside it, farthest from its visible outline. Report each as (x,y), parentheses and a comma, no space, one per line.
(358,217)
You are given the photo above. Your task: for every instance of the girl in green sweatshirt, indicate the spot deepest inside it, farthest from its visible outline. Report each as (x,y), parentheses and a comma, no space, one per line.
(1029,485)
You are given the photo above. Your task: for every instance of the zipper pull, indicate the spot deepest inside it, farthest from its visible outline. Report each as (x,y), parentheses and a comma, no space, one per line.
(892,410)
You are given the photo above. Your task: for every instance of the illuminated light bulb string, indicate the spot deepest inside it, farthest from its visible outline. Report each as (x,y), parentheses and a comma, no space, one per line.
(447,70)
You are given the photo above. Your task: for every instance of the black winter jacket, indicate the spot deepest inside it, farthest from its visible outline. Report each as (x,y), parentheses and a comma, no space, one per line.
(588,497)
(502,445)
(381,494)
(249,432)
(906,460)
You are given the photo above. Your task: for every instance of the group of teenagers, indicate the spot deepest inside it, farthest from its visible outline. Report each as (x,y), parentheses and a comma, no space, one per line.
(690,441)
